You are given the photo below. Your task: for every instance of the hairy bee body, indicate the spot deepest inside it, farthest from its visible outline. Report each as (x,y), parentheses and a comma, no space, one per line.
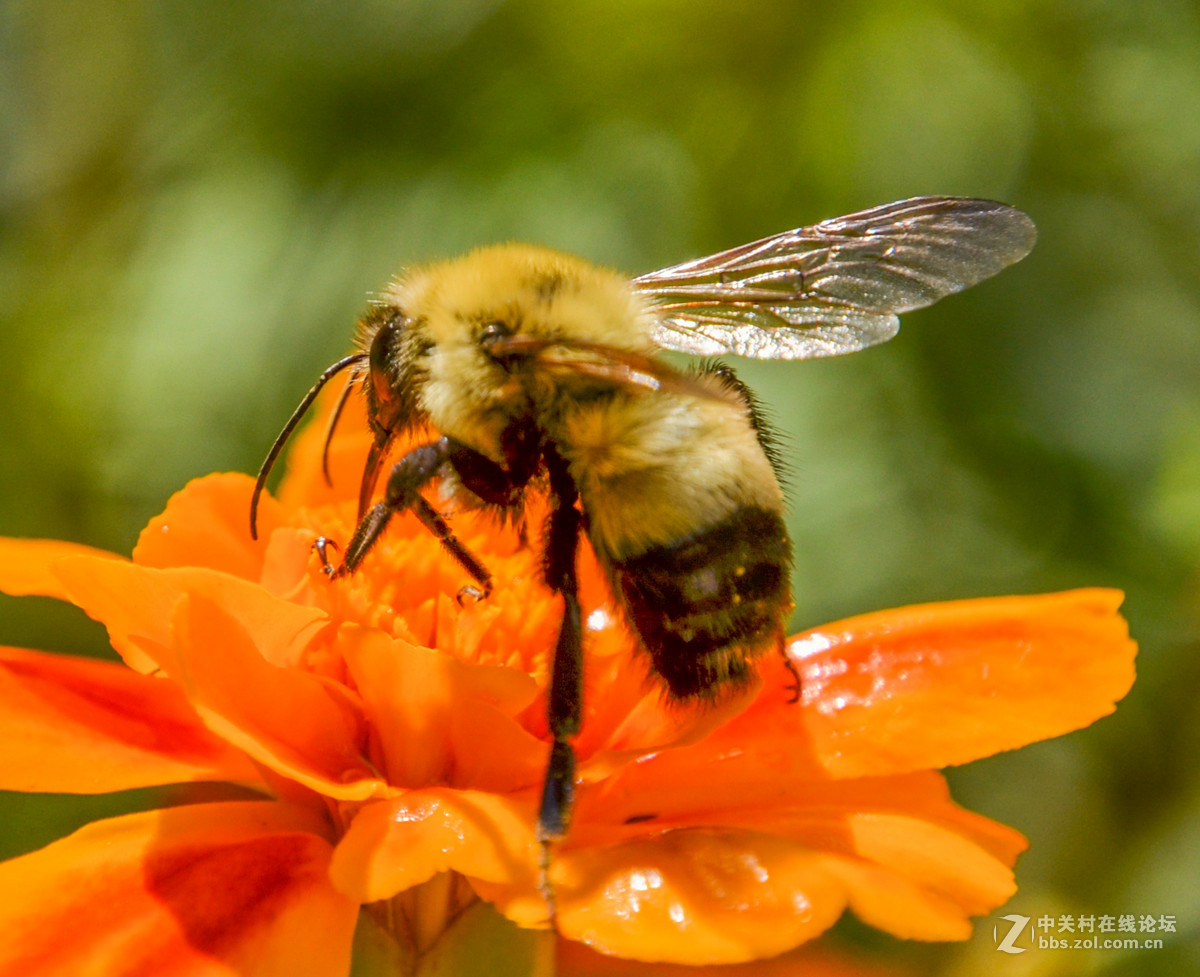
(679,499)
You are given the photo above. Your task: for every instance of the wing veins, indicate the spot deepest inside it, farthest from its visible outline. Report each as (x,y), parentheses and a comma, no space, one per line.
(849,274)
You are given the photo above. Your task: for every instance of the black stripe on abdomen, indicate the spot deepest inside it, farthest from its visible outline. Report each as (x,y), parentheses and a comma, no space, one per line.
(707,605)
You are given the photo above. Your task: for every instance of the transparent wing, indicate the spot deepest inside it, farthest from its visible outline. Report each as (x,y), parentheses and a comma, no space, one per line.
(837,286)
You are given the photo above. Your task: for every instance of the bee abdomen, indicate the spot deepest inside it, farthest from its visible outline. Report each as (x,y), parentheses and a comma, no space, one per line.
(705,606)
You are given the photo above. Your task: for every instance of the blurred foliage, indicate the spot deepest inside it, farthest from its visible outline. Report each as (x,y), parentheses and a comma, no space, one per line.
(196,199)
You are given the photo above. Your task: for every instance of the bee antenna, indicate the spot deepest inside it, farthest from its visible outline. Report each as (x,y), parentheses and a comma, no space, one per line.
(289,427)
(333,423)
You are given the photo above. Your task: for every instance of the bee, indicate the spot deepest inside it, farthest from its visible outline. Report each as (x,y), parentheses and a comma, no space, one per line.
(539,373)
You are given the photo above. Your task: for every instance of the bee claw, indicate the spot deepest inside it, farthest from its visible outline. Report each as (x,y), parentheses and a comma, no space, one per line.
(474,593)
(795,686)
(321,545)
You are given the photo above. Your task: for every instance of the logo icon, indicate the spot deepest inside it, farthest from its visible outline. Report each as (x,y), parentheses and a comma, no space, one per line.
(1006,945)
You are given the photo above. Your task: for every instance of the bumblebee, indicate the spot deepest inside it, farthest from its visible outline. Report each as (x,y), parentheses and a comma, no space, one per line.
(539,374)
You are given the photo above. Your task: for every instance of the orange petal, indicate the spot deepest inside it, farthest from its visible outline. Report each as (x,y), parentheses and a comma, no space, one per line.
(205,889)
(440,721)
(937,860)
(666,792)
(289,720)
(74,725)
(918,881)
(397,843)
(891,843)
(653,725)
(26,565)
(207,524)
(285,567)
(694,897)
(135,603)
(773,763)
(941,684)
(933,685)
(705,896)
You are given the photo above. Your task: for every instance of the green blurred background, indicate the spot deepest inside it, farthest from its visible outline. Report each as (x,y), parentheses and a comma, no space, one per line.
(197,199)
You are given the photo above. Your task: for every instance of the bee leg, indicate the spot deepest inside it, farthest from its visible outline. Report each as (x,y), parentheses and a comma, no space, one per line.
(409,475)
(436,524)
(482,476)
(565,699)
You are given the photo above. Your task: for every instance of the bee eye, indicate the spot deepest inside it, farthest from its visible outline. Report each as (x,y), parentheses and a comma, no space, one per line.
(381,346)
(491,332)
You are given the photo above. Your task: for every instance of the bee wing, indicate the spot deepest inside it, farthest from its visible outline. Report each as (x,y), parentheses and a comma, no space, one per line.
(837,286)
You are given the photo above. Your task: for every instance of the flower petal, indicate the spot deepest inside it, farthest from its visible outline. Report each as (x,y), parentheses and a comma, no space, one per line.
(206,889)
(653,724)
(285,718)
(135,603)
(667,792)
(395,844)
(27,565)
(74,725)
(695,897)
(439,721)
(934,685)
(903,855)
(918,881)
(724,895)
(207,524)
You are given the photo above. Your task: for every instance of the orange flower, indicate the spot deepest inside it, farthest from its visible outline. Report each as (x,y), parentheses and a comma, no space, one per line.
(393,744)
